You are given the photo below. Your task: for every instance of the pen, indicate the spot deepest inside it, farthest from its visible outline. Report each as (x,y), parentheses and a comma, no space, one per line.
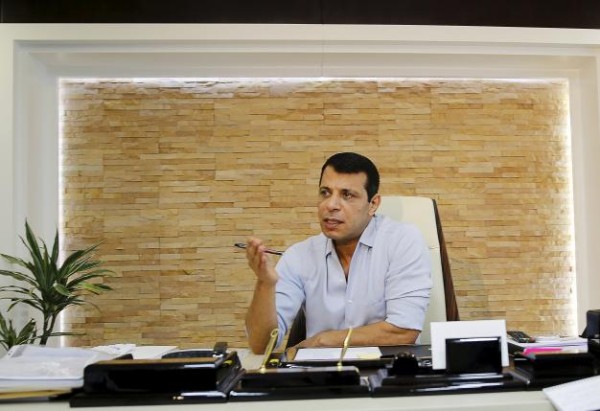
(267,250)
(345,346)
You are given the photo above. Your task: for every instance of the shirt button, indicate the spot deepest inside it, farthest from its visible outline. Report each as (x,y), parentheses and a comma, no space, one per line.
(349,301)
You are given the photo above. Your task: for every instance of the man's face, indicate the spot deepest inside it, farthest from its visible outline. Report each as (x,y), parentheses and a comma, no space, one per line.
(344,209)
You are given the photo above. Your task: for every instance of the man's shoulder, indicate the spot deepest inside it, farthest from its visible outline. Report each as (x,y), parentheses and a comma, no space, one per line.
(302,257)
(388,224)
(392,231)
(309,245)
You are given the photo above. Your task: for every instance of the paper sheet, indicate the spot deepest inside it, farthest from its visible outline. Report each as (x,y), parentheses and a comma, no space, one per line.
(145,352)
(572,342)
(580,395)
(440,331)
(333,354)
(33,367)
(32,362)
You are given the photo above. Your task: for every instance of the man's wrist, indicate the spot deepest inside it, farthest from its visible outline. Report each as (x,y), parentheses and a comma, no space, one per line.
(265,285)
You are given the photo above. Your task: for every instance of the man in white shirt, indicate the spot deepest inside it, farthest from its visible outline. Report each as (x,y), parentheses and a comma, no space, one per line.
(364,271)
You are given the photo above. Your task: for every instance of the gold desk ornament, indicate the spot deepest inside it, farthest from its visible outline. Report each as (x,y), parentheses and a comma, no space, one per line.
(269,349)
(345,347)
(298,381)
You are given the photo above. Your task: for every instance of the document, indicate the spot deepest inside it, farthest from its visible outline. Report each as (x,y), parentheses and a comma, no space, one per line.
(140,352)
(558,342)
(33,367)
(148,352)
(580,395)
(333,354)
(31,371)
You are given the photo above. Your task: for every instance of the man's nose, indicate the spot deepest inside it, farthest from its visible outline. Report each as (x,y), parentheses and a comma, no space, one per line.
(333,202)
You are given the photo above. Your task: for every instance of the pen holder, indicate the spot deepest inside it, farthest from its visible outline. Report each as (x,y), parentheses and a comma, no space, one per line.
(301,377)
(404,363)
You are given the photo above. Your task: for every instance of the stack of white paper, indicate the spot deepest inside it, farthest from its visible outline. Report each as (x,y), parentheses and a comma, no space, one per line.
(580,395)
(333,354)
(32,367)
(558,342)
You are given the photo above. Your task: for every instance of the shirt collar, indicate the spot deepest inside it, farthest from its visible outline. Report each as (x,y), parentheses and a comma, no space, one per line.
(367,237)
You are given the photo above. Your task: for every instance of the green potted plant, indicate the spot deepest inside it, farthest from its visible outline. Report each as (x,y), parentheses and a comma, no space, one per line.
(48,286)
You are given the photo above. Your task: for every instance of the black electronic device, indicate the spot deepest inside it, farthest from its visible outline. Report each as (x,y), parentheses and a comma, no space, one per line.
(592,328)
(196,378)
(520,337)
(219,349)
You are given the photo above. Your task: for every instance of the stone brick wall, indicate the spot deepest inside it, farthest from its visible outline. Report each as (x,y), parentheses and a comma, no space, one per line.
(168,174)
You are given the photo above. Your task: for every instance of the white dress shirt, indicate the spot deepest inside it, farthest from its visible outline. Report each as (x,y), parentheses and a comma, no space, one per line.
(389,279)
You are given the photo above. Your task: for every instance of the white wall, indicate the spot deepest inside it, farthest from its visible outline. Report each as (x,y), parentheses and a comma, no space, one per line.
(34,57)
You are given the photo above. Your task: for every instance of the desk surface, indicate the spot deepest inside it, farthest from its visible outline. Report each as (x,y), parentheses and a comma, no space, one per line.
(518,400)
(529,400)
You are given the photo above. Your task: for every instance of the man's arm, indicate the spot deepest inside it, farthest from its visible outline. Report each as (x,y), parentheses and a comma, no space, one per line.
(376,334)
(261,318)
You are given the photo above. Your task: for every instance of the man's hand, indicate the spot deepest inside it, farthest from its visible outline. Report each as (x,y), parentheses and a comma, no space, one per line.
(329,338)
(260,262)
(262,317)
(376,334)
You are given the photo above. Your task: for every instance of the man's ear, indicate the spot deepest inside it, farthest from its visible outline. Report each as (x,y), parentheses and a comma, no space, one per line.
(374,205)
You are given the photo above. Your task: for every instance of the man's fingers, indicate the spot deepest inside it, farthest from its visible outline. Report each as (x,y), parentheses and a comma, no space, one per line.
(257,257)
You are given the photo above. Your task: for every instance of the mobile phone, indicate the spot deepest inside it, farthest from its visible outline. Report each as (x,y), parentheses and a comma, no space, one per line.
(520,336)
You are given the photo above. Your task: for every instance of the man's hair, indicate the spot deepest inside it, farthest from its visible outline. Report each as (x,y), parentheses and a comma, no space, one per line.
(353,163)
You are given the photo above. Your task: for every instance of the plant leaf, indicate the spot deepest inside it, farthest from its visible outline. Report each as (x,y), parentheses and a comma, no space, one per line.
(94,288)
(33,246)
(49,287)
(16,261)
(90,276)
(19,276)
(62,290)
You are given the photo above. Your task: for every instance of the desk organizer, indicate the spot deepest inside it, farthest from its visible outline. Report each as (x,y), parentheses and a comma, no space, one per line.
(162,381)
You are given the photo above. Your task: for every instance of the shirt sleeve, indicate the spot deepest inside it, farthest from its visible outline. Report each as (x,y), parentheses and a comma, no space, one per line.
(408,280)
(289,291)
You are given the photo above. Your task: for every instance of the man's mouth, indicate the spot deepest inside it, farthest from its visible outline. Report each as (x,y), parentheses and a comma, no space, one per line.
(332,222)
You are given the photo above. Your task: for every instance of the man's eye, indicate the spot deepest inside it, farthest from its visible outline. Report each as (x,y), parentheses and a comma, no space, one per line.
(323,193)
(348,195)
